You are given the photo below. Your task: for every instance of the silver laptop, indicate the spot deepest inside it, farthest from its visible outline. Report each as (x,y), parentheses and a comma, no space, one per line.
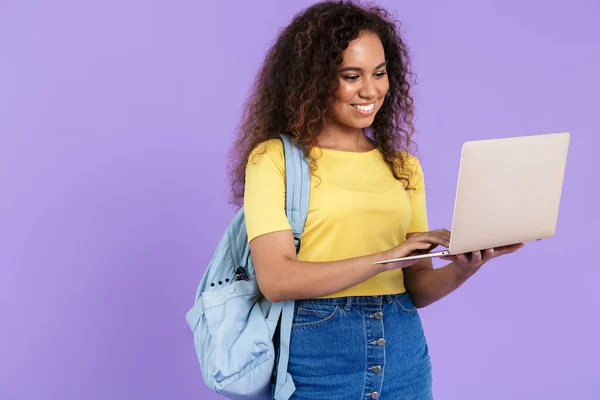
(508,192)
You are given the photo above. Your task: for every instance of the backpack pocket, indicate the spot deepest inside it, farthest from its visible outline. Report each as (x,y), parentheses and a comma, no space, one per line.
(236,339)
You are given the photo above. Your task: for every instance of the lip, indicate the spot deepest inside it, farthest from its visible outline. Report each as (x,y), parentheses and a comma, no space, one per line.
(361,112)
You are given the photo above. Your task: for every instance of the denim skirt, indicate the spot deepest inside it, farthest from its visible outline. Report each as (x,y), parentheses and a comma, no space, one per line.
(358,348)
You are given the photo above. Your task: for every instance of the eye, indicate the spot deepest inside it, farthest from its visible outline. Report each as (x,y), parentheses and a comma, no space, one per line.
(380,74)
(350,78)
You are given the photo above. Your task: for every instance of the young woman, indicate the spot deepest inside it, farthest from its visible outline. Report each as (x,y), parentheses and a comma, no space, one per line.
(337,82)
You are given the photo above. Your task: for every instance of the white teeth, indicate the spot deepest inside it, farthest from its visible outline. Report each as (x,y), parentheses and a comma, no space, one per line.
(365,108)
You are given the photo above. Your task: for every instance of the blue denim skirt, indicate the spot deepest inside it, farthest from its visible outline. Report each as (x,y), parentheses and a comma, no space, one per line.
(370,347)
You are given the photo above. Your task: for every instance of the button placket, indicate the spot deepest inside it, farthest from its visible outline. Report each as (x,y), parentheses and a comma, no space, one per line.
(375,352)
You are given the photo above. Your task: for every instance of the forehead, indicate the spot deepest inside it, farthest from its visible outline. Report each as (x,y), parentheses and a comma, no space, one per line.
(366,51)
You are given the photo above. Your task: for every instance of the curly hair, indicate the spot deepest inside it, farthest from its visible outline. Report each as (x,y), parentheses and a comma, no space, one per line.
(298,80)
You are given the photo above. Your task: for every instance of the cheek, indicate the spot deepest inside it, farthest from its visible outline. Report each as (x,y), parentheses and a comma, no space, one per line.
(383,87)
(345,93)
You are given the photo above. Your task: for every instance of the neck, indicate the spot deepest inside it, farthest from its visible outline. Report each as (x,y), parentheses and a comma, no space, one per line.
(345,138)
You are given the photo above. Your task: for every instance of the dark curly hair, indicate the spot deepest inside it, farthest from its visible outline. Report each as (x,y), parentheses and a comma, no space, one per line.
(299,77)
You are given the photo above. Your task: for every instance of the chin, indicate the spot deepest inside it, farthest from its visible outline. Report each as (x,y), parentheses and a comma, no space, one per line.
(360,123)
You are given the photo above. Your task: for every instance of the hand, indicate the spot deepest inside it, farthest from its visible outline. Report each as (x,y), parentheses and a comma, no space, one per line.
(470,263)
(416,243)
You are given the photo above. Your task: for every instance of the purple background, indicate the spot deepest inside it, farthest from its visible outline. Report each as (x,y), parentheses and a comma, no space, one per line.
(115,119)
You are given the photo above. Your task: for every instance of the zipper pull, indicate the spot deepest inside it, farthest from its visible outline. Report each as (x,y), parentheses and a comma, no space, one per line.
(241,274)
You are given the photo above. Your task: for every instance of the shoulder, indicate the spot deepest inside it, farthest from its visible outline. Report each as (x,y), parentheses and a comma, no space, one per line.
(272,148)
(267,156)
(411,167)
(409,162)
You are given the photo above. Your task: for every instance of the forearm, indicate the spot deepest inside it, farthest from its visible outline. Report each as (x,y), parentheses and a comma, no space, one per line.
(428,285)
(282,277)
(303,280)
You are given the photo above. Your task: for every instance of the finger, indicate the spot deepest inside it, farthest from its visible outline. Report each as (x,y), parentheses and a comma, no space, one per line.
(508,249)
(438,238)
(411,247)
(463,259)
(476,257)
(511,246)
(425,242)
(444,235)
(488,254)
(417,245)
(516,247)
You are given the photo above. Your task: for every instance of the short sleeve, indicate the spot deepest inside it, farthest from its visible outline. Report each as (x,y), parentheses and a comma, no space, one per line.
(264,193)
(418,201)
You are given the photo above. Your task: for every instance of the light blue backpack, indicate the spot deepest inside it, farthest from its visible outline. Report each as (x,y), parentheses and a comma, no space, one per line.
(232,322)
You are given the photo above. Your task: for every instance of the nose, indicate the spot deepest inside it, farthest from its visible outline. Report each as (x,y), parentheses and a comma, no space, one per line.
(368,90)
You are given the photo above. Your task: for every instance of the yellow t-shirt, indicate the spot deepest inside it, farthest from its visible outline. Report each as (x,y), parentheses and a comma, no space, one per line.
(356,208)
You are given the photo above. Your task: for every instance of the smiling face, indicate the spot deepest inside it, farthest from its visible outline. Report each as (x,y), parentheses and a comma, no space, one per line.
(363,83)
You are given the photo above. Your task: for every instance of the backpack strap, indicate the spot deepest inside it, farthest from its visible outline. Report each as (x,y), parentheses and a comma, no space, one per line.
(297,182)
(297,185)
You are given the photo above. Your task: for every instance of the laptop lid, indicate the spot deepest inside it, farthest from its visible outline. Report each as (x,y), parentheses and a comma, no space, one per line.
(508,191)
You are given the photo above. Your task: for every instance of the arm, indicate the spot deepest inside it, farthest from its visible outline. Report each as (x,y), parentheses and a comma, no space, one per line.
(427,285)
(282,277)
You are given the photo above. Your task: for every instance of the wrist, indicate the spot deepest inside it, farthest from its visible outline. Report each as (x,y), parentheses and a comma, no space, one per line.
(384,255)
(461,273)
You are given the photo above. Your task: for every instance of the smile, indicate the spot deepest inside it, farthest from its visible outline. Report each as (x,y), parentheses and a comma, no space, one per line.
(364,108)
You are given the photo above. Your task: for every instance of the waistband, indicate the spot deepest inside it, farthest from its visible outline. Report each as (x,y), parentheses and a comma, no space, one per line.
(354,300)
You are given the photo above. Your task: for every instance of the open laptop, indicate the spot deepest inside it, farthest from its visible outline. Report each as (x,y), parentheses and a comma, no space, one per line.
(508,192)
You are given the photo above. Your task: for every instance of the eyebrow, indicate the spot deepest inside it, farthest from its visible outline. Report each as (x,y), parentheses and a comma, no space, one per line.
(383,64)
